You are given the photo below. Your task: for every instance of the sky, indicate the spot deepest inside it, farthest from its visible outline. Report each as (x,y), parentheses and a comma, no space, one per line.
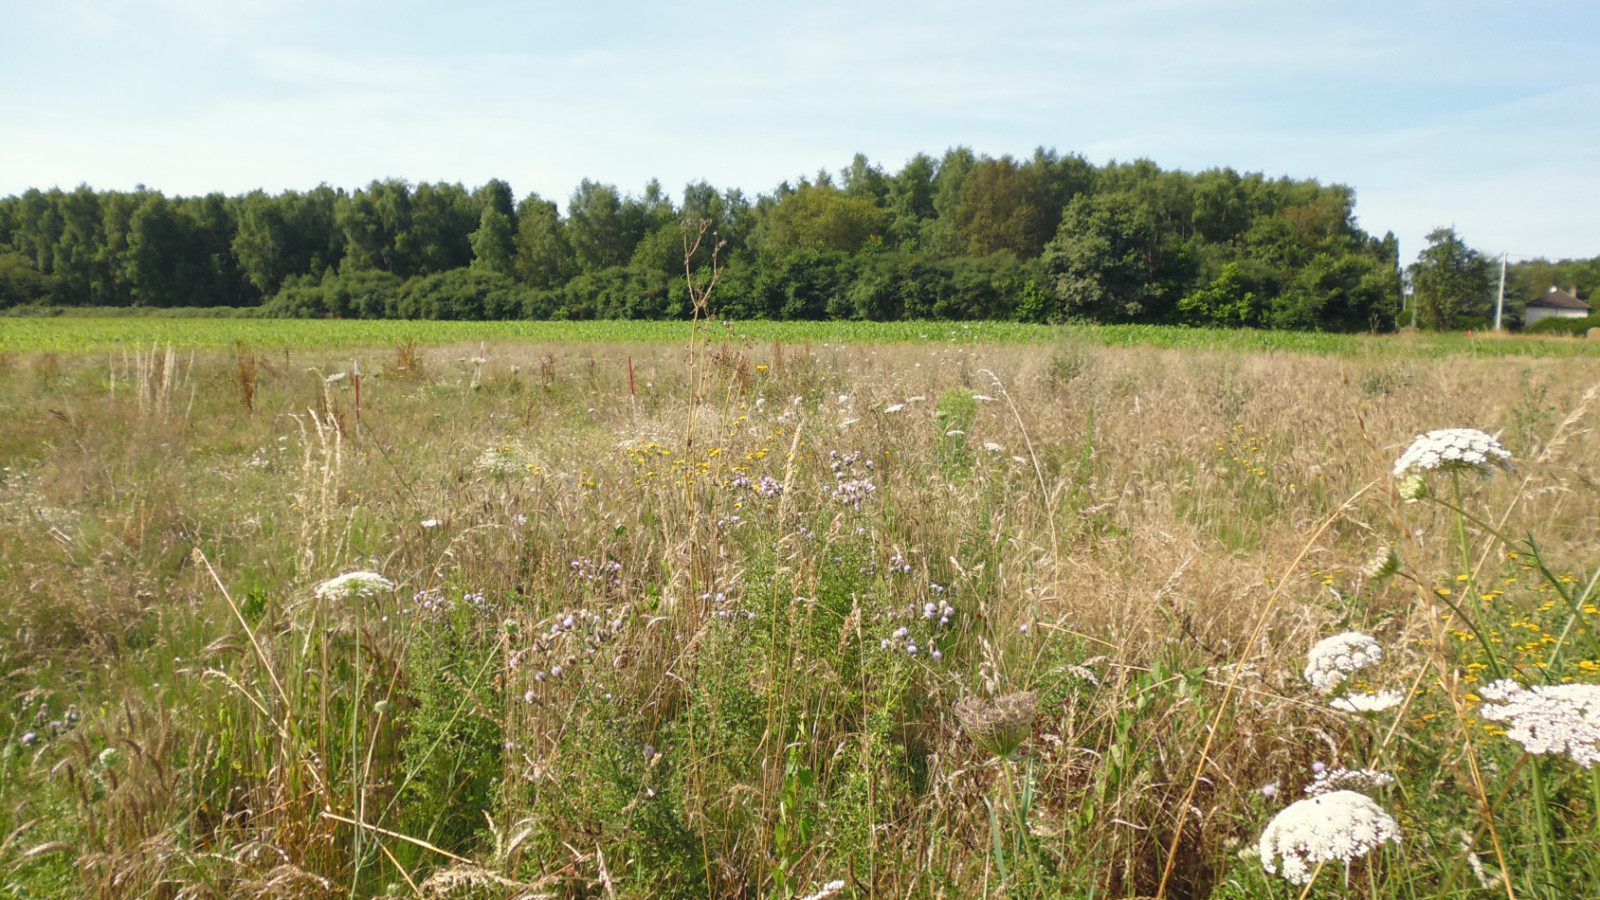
(1484,116)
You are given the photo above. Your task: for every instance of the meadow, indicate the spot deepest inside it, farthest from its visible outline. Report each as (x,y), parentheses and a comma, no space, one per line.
(793,611)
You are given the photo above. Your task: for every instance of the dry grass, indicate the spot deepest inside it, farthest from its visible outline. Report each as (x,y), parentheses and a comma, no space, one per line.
(1110,526)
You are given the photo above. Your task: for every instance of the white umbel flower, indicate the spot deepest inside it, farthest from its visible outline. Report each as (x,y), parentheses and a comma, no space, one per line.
(503,461)
(1332,659)
(1339,826)
(354,586)
(827,890)
(1453,450)
(1368,703)
(1363,780)
(1548,718)
(1384,564)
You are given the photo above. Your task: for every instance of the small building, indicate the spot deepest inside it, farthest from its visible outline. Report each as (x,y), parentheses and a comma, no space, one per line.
(1555,303)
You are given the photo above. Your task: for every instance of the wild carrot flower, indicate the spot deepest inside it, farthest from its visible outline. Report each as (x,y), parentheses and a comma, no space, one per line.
(827,890)
(1453,450)
(1548,718)
(1000,725)
(1332,659)
(504,461)
(354,586)
(1337,826)
(1363,780)
(1384,564)
(1368,703)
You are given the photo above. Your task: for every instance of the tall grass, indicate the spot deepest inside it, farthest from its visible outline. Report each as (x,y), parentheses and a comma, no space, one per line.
(648,640)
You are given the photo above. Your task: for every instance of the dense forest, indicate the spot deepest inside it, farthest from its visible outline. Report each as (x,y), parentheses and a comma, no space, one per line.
(1050,238)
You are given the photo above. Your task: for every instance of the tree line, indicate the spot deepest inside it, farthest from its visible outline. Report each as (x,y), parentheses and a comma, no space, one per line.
(1047,238)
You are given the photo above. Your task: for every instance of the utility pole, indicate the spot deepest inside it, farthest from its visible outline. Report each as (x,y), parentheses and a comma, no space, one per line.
(1500,299)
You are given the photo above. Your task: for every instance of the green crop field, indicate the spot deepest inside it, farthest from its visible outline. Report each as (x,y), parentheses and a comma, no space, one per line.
(89,334)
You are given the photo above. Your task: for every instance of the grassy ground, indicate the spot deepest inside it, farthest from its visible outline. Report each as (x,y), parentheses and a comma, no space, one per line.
(117,335)
(1019,619)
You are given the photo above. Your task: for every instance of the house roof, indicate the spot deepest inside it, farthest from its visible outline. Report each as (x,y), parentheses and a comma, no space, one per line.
(1556,298)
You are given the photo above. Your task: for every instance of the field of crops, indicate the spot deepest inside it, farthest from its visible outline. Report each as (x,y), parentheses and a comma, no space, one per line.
(922,611)
(85,334)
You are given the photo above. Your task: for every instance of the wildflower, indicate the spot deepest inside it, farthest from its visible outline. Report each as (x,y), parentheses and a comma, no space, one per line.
(1414,487)
(992,447)
(853,492)
(1368,703)
(430,523)
(894,407)
(354,586)
(504,461)
(1382,565)
(1364,780)
(1554,718)
(1453,450)
(828,890)
(1269,790)
(1340,825)
(1331,659)
(1000,725)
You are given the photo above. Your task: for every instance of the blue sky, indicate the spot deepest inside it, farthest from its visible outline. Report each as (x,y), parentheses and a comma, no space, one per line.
(1481,115)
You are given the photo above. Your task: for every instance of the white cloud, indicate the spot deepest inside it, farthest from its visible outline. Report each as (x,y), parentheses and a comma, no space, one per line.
(1409,108)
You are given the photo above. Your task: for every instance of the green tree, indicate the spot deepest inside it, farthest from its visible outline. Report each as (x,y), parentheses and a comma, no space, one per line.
(77,248)
(910,201)
(494,243)
(1103,262)
(287,235)
(443,218)
(1227,301)
(544,257)
(596,227)
(157,268)
(1003,209)
(1451,281)
(21,283)
(865,181)
(373,221)
(823,218)
(496,194)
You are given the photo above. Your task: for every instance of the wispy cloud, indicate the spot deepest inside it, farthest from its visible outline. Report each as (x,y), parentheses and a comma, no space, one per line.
(1434,113)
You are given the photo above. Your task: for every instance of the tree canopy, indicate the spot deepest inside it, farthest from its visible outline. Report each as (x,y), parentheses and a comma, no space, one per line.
(1047,238)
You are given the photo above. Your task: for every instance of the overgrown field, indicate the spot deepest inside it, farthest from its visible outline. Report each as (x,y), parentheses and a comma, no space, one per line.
(745,619)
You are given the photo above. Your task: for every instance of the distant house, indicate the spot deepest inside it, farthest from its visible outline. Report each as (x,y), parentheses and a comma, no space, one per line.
(1557,304)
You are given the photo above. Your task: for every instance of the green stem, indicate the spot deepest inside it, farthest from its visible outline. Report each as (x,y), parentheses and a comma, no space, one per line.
(1466,568)
(1542,818)
(1594,795)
